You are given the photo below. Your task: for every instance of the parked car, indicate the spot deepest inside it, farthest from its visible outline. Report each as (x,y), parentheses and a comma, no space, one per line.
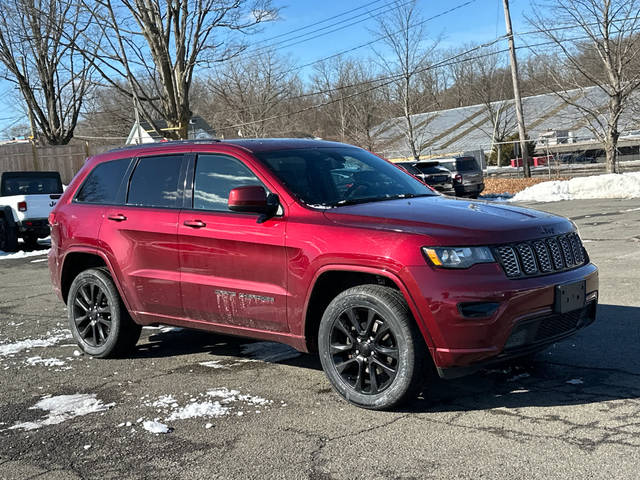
(266,239)
(26,198)
(575,158)
(432,174)
(467,175)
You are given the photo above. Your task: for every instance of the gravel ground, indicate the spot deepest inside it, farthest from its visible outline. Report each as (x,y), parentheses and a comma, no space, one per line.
(240,409)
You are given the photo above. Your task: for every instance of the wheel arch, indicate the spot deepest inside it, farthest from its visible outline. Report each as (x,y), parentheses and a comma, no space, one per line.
(330,280)
(79,259)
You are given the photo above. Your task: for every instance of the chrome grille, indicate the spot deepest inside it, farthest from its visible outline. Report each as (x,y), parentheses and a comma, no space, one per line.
(553,254)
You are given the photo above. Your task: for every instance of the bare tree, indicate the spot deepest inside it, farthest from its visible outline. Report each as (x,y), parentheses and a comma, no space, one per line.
(404,35)
(40,44)
(249,96)
(601,47)
(155,46)
(351,106)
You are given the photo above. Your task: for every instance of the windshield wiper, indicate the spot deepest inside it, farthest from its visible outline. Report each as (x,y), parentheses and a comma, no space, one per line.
(356,201)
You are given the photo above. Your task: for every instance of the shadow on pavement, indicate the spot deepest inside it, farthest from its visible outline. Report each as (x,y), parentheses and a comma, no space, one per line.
(600,363)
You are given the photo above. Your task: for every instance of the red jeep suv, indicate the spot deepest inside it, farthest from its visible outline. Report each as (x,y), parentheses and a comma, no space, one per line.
(319,245)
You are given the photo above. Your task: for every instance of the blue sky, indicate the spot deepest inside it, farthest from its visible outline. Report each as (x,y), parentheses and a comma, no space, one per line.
(481,21)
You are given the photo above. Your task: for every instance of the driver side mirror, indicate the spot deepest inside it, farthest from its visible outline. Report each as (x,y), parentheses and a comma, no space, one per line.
(254,199)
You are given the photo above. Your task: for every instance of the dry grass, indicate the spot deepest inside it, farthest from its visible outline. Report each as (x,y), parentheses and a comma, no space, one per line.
(497,185)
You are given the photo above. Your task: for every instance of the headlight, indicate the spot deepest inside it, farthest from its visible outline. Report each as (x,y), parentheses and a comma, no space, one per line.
(458,257)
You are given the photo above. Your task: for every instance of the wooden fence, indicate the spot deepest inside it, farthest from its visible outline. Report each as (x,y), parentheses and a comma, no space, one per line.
(66,159)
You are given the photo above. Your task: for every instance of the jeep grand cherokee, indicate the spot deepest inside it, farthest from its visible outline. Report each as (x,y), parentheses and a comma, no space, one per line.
(266,239)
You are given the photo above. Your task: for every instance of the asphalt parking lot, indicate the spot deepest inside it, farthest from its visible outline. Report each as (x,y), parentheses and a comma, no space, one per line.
(255,410)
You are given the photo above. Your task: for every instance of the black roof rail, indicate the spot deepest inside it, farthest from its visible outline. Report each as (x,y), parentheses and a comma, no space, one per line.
(163,144)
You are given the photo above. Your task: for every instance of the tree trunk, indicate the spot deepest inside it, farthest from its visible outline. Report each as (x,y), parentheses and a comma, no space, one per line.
(611,150)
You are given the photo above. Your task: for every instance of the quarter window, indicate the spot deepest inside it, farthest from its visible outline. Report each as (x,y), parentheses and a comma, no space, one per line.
(215,177)
(154,182)
(103,183)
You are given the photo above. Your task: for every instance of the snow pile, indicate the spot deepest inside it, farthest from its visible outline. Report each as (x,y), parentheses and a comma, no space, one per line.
(15,347)
(156,427)
(626,185)
(269,351)
(64,407)
(47,362)
(21,254)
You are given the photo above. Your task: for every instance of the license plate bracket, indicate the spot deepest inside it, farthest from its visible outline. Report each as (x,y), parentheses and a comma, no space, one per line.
(570,296)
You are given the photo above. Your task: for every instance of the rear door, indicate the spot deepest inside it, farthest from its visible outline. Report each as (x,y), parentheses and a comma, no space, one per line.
(141,237)
(233,269)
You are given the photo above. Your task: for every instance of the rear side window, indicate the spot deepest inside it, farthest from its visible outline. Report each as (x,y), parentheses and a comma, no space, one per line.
(467,164)
(103,183)
(154,182)
(216,176)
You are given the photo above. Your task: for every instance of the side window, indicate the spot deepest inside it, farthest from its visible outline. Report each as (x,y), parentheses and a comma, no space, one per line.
(215,177)
(103,183)
(154,182)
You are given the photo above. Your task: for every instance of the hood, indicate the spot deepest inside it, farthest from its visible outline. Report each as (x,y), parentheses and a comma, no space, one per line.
(452,221)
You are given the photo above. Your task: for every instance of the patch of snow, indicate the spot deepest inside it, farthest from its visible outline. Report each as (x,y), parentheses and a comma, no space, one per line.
(21,254)
(39,260)
(156,427)
(87,447)
(575,381)
(76,353)
(519,391)
(269,351)
(625,185)
(199,409)
(47,362)
(208,425)
(15,347)
(62,408)
(213,364)
(165,401)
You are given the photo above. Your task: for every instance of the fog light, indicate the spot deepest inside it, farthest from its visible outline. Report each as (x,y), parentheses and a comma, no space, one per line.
(478,309)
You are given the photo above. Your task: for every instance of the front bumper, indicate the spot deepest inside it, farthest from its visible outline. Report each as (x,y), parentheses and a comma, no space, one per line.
(524,321)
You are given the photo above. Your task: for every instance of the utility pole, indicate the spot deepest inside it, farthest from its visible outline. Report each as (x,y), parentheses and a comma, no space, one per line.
(516,92)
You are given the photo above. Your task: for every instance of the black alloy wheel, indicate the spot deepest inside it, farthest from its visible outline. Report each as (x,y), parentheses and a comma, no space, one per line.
(98,319)
(92,314)
(370,347)
(364,350)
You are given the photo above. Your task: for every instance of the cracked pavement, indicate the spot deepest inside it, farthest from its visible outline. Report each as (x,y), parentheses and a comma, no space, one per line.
(572,411)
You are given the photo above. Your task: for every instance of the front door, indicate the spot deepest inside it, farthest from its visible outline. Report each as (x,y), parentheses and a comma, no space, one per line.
(232,268)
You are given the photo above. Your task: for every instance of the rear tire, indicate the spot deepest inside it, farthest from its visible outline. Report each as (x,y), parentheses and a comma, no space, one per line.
(8,237)
(98,318)
(370,347)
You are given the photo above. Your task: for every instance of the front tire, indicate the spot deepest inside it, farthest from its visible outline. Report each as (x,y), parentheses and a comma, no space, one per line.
(98,319)
(370,347)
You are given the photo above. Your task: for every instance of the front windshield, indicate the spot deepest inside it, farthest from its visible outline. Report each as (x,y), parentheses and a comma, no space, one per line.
(331,177)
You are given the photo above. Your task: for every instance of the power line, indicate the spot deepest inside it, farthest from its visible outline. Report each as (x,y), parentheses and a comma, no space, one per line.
(443,63)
